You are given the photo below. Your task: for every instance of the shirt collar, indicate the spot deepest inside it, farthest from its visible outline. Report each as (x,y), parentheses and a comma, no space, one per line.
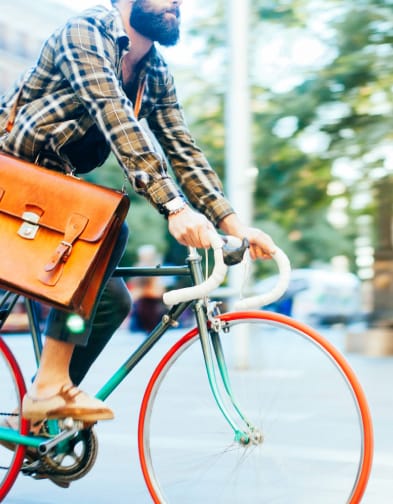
(121,36)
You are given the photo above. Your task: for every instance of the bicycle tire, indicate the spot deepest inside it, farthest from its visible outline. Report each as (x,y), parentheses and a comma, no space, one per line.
(176,435)
(12,390)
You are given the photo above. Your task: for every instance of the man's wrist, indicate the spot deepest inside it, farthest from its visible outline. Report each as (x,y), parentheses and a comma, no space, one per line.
(232,225)
(172,207)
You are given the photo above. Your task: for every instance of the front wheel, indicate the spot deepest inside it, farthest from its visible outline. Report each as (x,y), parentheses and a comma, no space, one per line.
(12,390)
(314,439)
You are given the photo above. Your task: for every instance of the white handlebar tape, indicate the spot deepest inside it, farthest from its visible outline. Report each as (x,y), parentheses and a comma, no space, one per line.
(203,289)
(218,275)
(278,290)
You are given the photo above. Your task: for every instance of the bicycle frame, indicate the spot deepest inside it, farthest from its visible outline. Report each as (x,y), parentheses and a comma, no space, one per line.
(211,329)
(211,348)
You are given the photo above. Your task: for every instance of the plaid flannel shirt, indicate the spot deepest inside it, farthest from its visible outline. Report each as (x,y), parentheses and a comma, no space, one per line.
(76,83)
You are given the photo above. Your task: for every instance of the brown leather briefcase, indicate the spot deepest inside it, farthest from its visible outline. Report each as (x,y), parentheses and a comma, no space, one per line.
(57,233)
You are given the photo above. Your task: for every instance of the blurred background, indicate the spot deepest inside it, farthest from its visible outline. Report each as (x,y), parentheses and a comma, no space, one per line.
(293,101)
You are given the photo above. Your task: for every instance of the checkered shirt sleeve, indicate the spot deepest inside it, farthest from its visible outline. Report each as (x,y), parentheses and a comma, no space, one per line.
(77,82)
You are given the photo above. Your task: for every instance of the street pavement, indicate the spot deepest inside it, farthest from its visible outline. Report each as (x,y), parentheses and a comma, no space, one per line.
(116,476)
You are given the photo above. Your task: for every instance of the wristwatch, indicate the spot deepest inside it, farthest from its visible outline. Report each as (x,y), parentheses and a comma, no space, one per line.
(173,206)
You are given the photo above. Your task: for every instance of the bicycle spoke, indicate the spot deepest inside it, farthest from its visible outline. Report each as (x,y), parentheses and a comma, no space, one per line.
(315,440)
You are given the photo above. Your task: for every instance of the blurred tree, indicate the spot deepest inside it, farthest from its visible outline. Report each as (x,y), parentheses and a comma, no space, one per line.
(332,121)
(146,225)
(348,101)
(291,187)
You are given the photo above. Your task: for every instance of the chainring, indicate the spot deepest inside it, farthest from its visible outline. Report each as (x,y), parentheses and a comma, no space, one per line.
(70,462)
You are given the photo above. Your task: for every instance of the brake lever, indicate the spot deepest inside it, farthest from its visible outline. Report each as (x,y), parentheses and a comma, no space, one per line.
(234,253)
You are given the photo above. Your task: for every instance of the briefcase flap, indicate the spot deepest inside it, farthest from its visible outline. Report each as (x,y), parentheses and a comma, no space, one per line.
(39,197)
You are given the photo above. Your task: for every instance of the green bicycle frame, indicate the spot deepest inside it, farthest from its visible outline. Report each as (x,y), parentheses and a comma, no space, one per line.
(209,338)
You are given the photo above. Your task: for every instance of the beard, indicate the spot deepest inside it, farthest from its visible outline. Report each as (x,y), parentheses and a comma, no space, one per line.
(156,26)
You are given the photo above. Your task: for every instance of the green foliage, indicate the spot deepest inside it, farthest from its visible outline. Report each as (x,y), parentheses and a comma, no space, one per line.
(146,225)
(346,100)
(362,76)
(282,13)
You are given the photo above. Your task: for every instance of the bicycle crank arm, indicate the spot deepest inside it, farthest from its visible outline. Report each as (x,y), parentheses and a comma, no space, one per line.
(71,427)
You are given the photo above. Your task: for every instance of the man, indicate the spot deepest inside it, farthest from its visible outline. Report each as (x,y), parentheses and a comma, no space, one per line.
(93,81)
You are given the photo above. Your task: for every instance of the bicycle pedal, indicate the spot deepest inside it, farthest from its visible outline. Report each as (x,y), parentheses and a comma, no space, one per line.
(69,423)
(32,467)
(37,471)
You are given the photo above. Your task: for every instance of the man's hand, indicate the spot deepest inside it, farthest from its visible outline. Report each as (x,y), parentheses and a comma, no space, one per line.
(190,228)
(261,244)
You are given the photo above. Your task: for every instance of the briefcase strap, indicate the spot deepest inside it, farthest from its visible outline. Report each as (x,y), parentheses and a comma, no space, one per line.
(67,168)
(11,118)
(74,228)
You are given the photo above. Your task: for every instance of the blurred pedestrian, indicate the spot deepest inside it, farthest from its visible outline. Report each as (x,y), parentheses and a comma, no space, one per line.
(148,307)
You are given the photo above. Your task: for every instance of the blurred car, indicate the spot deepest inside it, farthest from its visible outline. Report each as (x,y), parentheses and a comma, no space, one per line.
(318,296)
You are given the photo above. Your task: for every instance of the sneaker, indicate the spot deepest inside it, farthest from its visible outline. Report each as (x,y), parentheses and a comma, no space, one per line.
(68,402)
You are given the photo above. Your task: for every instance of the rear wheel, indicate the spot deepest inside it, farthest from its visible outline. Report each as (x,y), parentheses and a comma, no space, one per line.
(313,438)
(12,390)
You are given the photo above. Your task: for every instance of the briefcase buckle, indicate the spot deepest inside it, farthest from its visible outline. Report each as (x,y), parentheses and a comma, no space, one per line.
(29,227)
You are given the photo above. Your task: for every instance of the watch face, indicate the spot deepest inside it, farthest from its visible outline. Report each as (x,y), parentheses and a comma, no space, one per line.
(174,205)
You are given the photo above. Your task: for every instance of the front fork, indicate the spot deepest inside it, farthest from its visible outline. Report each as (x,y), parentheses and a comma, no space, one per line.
(210,326)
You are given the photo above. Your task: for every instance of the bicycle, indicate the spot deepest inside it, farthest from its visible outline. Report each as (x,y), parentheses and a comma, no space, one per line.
(234,436)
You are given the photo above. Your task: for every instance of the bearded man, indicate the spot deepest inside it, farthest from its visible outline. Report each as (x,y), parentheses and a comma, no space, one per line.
(95,79)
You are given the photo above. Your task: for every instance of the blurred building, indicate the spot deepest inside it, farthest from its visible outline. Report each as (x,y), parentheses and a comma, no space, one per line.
(24,25)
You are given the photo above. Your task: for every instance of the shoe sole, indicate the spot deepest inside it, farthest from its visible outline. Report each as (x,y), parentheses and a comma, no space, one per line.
(76,414)
(81,416)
